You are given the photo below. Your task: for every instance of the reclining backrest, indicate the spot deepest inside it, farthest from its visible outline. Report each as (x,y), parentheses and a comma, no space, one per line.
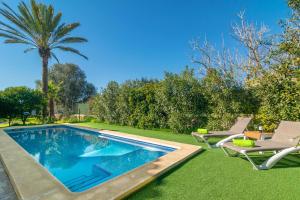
(240,124)
(288,132)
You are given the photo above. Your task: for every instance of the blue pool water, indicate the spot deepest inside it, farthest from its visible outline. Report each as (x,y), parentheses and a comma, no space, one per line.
(82,159)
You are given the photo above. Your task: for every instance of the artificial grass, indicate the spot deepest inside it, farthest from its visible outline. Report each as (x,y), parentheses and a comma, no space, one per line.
(212,175)
(3,125)
(18,122)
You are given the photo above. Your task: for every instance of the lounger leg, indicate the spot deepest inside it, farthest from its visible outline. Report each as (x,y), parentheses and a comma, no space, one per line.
(207,143)
(202,139)
(227,153)
(250,160)
(244,153)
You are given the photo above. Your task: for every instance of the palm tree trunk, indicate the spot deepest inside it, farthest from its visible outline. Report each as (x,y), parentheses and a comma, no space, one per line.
(51,108)
(45,83)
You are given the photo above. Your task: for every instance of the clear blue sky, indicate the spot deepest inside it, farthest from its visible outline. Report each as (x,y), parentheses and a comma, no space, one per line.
(131,39)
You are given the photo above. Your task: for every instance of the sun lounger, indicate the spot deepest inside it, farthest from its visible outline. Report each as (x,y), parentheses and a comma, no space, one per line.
(284,141)
(238,128)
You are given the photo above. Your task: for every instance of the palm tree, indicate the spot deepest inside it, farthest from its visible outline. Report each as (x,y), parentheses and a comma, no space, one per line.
(53,90)
(38,27)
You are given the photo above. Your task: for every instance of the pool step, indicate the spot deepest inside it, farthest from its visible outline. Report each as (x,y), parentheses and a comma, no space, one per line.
(81,182)
(70,182)
(130,160)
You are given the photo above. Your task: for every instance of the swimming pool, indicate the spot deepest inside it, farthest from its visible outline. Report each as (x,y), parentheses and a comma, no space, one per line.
(81,159)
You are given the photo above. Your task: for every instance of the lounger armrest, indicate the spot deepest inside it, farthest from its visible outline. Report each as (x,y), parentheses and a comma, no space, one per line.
(230,138)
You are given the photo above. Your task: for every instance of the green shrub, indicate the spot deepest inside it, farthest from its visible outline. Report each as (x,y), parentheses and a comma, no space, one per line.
(20,102)
(71,119)
(88,119)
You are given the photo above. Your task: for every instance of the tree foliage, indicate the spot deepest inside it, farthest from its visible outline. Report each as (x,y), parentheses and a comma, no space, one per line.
(182,99)
(278,89)
(20,102)
(176,102)
(71,86)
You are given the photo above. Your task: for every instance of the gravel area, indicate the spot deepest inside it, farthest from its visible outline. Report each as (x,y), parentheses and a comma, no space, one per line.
(6,190)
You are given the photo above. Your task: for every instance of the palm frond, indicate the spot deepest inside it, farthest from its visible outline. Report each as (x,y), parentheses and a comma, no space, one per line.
(62,31)
(69,49)
(37,25)
(55,21)
(16,19)
(15,41)
(29,49)
(15,34)
(55,57)
(10,37)
(28,18)
(69,40)
(36,15)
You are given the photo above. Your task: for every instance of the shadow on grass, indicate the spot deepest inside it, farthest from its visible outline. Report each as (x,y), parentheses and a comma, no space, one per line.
(152,189)
(290,161)
(213,141)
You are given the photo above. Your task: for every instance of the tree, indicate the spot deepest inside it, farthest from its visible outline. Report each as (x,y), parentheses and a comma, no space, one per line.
(257,43)
(279,87)
(72,86)
(206,57)
(181,98)
(38,27)
(7,110)
(96,106)
(20,102)
(290,39)
(53,90)
(144,109)
(222,84)
(110,96)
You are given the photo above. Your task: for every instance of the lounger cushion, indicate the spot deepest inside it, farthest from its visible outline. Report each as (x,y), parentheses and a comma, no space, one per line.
(202,131)
(243,143)
(261,145)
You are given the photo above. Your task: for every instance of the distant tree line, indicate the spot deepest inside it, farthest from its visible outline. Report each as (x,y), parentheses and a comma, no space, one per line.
(180,102)
(67,87)
(263,82)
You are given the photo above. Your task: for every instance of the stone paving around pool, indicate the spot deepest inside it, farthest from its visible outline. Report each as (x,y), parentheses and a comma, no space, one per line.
(6,190)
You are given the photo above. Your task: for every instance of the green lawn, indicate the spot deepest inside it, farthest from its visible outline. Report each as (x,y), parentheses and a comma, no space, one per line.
(212,175)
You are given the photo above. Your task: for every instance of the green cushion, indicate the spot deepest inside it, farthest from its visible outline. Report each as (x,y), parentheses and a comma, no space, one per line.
(243,143)
(202,131)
